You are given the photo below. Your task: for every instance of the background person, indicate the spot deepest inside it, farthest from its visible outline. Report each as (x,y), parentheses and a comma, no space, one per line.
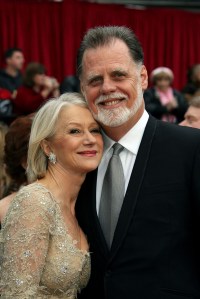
(154,252)
(11,76)
(192,115)
(36,89)
(15,160)
(162,100)
(192,87)
(47,253)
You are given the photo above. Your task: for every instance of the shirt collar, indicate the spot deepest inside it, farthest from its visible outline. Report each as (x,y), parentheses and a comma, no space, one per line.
(134,134)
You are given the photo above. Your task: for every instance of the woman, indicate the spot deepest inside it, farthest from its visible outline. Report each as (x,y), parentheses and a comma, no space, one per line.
(36,89)
(161,100)
(15,159)
(45,252)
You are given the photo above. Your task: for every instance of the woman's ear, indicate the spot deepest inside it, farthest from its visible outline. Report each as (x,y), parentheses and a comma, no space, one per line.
(24,163)
(45,147)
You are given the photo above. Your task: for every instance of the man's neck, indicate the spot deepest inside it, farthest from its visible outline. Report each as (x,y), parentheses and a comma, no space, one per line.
(11,71)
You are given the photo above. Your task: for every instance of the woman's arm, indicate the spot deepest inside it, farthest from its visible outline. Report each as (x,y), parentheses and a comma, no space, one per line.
(24,243)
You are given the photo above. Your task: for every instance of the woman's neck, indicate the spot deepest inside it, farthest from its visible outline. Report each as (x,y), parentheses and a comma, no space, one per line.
(63,185)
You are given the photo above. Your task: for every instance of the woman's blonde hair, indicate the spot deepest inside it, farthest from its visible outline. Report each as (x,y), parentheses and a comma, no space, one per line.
(44,127)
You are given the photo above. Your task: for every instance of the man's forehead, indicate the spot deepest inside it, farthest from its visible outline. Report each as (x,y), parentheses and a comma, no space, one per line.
(193,111)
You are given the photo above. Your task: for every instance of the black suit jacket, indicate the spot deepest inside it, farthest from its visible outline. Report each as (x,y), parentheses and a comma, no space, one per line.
(155,252)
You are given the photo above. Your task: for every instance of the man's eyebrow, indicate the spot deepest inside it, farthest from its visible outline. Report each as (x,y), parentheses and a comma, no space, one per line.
(93,76)
(119,70)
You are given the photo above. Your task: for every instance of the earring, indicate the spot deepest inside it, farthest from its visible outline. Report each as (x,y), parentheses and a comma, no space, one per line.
(52,158)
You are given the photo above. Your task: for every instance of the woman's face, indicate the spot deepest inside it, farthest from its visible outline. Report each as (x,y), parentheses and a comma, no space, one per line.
(78,143)
(39,79)
(163,82)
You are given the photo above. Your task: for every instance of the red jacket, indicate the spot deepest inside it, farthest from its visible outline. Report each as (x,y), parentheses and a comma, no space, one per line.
(27,101)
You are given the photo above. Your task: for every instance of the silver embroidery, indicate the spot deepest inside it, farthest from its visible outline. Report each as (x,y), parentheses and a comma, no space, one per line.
(39,258)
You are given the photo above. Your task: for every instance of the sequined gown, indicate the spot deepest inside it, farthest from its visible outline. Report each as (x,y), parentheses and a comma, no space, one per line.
(38,257)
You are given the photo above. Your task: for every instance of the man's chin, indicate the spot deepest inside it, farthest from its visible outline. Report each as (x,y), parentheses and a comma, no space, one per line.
(111,123)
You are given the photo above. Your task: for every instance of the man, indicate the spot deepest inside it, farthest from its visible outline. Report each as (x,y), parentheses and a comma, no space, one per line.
(11,77)
(154,252)
(192,115)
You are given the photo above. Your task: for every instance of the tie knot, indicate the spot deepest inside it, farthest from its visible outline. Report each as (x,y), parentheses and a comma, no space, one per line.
(117,148)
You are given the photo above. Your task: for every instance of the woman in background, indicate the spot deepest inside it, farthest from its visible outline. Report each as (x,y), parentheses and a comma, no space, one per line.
(36,89)
(15,159)
(44,251)
(161,100)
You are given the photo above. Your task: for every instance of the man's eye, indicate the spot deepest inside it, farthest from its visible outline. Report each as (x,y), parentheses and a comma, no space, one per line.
(95,81)
(74,131)
(190,120)
(119,75)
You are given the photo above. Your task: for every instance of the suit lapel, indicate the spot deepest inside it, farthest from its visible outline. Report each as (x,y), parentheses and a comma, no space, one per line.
(95,228)
(134,186)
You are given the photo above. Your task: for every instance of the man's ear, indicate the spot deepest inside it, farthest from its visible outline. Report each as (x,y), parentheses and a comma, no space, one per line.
(45,147)
(82,89)
(8,60)
(144,77)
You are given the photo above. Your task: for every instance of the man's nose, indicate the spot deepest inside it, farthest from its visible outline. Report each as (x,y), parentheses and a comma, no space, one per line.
(108,86)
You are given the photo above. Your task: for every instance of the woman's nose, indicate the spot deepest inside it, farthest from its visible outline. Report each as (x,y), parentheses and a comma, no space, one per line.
(89,138)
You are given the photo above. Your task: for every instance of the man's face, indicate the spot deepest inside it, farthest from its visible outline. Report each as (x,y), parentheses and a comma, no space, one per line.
(192,118)
(16,60)
(113,84)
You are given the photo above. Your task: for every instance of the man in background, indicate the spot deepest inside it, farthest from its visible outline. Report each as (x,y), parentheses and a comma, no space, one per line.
(10,76)
(192,115)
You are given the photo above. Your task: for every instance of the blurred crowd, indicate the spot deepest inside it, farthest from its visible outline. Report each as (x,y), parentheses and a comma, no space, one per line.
(23,89)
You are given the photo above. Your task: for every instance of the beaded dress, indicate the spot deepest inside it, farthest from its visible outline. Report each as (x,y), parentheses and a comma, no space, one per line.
(38,257)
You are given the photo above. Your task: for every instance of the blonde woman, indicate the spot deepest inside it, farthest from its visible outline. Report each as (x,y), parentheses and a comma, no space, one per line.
(45,253)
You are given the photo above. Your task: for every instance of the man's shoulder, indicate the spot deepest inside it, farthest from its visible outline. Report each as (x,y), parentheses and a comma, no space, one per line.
(3,74)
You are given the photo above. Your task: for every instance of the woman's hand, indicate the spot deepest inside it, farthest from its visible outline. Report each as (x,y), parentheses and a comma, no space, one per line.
(51,85)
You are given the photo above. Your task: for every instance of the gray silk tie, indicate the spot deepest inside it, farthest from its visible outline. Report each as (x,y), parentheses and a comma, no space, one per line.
(112,195)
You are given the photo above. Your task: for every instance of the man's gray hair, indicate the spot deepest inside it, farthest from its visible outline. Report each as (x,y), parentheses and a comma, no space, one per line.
(101,36)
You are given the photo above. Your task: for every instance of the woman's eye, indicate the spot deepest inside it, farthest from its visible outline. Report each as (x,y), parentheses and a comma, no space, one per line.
(96,131)
(74,131)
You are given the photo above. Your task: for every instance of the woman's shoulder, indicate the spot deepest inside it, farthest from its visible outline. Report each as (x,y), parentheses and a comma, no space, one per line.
(35,195)
(4,205)
(33,190)
(34,200)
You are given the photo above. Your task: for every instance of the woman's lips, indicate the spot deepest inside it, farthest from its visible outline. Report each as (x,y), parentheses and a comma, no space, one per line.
(88,153)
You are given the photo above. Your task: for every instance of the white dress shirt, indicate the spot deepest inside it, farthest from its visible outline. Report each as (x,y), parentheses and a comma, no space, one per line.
(130,142)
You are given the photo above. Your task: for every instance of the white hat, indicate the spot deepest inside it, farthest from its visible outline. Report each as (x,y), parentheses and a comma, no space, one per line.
(160,70)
